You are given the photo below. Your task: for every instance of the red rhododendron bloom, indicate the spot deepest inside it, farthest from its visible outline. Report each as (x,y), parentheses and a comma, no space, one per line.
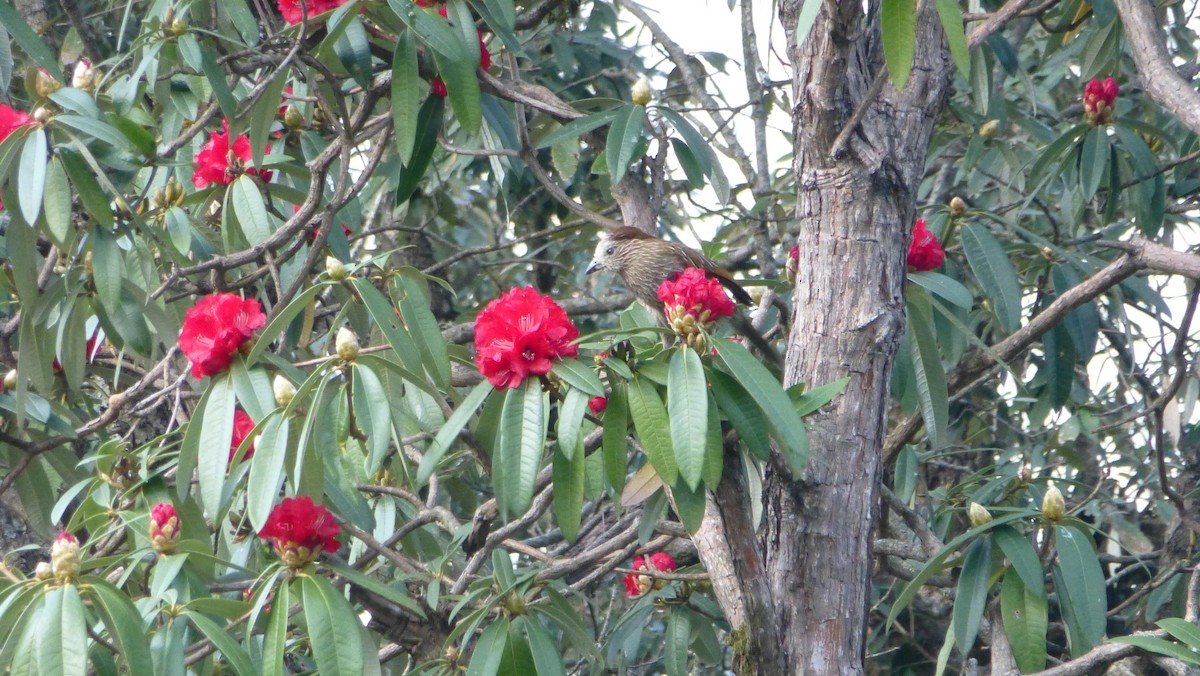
(242,426)
(11,120)
(1099,99)
(438,87)
(293,13)
(598,404)
(164,528)
(299,530)
(636,585)
(521,333)
(695,294)
(89,353)
(218,162)
(925,252)
(215,328)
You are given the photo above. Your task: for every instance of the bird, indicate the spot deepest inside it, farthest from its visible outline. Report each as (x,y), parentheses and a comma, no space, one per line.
(644,262)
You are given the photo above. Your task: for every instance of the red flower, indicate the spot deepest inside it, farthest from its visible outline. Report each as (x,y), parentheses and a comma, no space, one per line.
(794,253)
(695,294)
(164,528)
(636,585)
(299,530)
(89,353)
(598,404)
(521,333)
(11,120)
(925,252)
(438,86)
(485,57)
(217,162)
(293,13)
(242,426)
(283,102)
(1099,99)
(215,328)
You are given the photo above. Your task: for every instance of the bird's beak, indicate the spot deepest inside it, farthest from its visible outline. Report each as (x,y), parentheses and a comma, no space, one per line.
(594,266)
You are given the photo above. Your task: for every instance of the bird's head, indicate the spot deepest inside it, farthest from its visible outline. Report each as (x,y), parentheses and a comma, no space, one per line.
(614,249)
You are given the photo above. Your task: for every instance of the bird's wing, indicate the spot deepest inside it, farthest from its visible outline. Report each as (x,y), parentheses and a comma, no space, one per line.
(696,259)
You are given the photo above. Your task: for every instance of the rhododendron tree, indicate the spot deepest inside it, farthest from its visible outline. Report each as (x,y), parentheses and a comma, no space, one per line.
(354,404)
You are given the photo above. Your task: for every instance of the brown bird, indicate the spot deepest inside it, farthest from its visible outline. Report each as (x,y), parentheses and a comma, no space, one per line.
(644,262)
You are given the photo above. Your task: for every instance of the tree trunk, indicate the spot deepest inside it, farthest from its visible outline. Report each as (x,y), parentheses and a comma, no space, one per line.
(855,214)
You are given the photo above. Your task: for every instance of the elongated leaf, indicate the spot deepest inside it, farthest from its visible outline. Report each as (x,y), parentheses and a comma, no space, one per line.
(384,314)
(62,639)
(579,376)
(807,17)
(576,128)
(624,135)
(1159,646)
(679,634)
(1023,611)
(1093,161)
(1079,582)
(275,638)
(231,651)
(687,407)
(785,423)
(31,181)
(108,271)
(568,493)
(429,126)
(1183,630)
(250,210)
(423,327)
(332,621)
(615,440)
(57,204)
(407,87)
(489,649)
(265,113)
(818,396)
(546,656)
(522,439)
(956,37)
(946,287)
(1024,559)
(216,433)
(90,193)
(216,78)
(650,421)
(373,415)
(281,321)
(899,22)
(995,273)
(932,390)
(449,432)
(124,625)
(743,413)
(971,597)
(570,418)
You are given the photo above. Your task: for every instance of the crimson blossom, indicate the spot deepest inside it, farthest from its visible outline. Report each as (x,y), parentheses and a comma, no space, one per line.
(598,404)
(164,527)
(925,252)
(215,328)
(692,293)
(11,120)
(1099,97)
(521,333)
(636,585)
(243,425)
(219,162)
(300,530)
(293,13)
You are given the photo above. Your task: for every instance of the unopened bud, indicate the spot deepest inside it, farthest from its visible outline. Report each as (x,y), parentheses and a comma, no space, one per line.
(641,93)
(164,528)
(41,114)
(979,515)
(179,27)
(1053,506)
(346,344)
(335,268)
(10,379)
(957,206)
(514,604)
(64,556)
(82,77)
(989,129)
(292,118)
(284,390)
(44,84)
(42,571)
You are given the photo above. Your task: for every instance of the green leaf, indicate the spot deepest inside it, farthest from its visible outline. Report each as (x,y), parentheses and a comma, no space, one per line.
(906,474)
(449,431)
(216,433)
(423,327)
(786,425)
(743,413)
(275,637)
(489,649)
(384,314)
(689,504)
(948,288)
(546,656)
(231,652)
(462,88)
(1079,582)
(653,429)
(615,440)
(1093,161)
(280,322)
(108,270)
(570,418)
(932,390)
(31,181)
(395,592)
(124,624)
(568,475)
(899,22)
(1159,646)
(429,126)
(971,597)
(1024,613)
(1023,557)
(687,159)
(995,274)
(57,203)
(818,396)
(522,440)
(687,407)
(373,414)
(434,30)
(576,128)
(250,210)
(265,112)
(1083,323)
(62,636)
(332,621)
(956,37)
(1184,631)
(624,136)
(216,78)
(579,376)
(90,193)
(806,18)
(696,143)
(679,634)
(407,89)
(28,40)
(354,51)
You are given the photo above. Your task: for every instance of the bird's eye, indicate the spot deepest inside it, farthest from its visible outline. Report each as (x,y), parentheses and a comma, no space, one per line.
(610,250)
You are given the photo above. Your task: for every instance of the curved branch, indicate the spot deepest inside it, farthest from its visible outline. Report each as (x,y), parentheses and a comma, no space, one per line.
(1159,76)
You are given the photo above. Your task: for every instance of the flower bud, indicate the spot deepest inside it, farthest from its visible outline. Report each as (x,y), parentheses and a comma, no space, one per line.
(292,118)
(641,93)
(41,114)
(957,206)
(284,390)
(179,27)
(10,379)
(44,84)
(43,571)
(64,556)
(1053,506)
(164,528)
(598,404)
(989,129)
(346,344)
(979,515)
(335,268)
(83,76)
